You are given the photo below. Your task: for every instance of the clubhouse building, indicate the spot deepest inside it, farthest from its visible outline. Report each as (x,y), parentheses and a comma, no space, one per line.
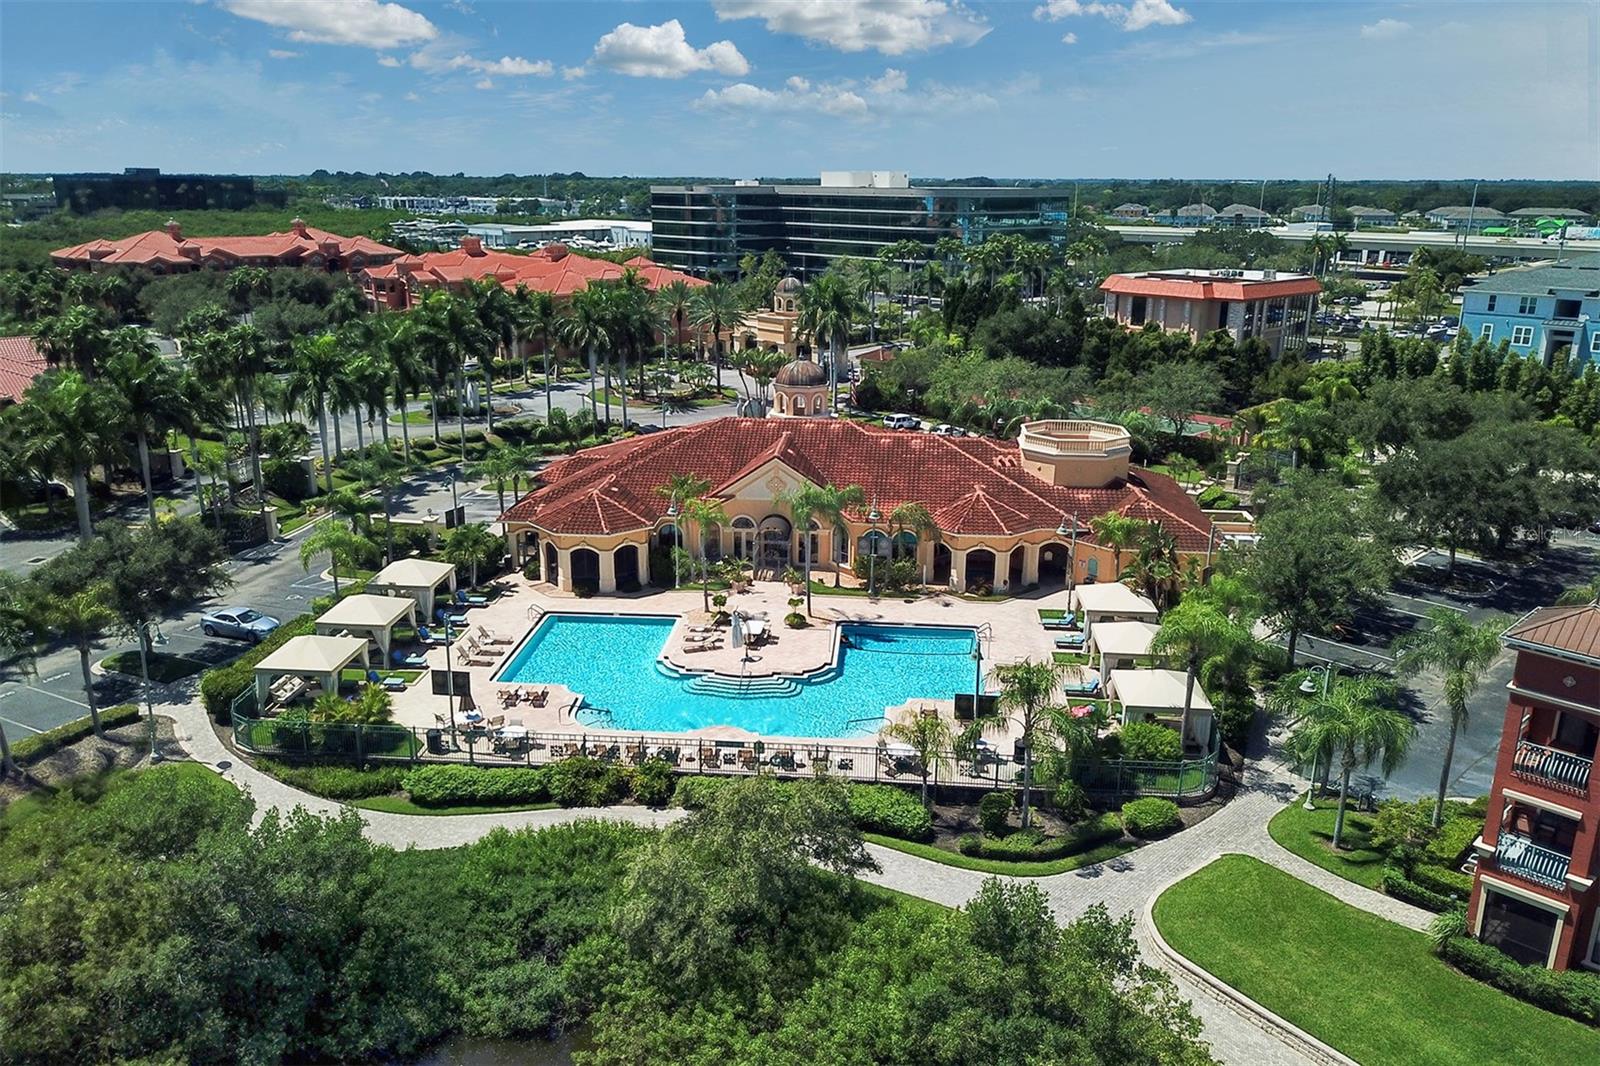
(1006,515)
(168,251)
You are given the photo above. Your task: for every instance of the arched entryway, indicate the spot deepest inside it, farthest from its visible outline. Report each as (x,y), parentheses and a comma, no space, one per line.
(1015,565)
(1053,562)
(552,564)
(744,538)
(941,564)
(775,535)
(668,536)
(585,570)
(905,545)
(980,569)
(625,562)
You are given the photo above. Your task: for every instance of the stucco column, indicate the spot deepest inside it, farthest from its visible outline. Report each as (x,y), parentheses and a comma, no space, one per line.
(958,568)
(512,552)
(1030,564)
(644,563)
(564,561)
(608,570)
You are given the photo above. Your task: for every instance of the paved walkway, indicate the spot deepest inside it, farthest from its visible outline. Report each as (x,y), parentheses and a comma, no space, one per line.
(1240,826)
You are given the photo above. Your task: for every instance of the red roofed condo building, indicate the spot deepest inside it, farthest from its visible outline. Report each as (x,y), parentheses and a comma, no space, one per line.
(1533,892)
(1267,304)
(1009,514)
(401,284)
(20,362)
(168,251)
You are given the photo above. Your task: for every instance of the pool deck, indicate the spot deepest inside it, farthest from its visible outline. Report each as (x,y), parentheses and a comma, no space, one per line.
(1013,634)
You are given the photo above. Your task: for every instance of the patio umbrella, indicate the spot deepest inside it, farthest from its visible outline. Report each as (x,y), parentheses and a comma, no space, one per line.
(736,638)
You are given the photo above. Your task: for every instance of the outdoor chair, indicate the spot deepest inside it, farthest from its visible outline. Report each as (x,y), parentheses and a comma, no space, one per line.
(1070,640)
(489,636)
(410,659)
(390,683)
(1066,621)
(444,617)
(428,636)
(471,599)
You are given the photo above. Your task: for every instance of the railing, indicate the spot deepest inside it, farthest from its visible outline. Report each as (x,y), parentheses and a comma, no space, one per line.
(294,737)
(1516,854)
(1553,767)
(1074,437)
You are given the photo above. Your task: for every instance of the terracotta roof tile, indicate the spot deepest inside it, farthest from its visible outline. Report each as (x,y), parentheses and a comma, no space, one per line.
(159,246)
(20,363)
(1575,630)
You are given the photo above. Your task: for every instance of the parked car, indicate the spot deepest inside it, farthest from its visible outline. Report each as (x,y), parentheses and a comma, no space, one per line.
(901,422)
(239,623)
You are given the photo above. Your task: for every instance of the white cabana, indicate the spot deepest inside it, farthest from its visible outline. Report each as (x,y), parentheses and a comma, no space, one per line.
(1110,602)
(310,657)
(1158,695)
(371,616)
(418,578)
(1122,645)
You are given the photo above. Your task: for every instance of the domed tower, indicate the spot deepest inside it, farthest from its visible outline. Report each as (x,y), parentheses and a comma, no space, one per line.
(786,297)
(801,390)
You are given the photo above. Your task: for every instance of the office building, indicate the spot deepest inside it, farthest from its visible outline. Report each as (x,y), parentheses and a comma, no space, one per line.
(147,189)
(847,215)
(1539,310)
(1266,304)
(1533,891)
(604,234)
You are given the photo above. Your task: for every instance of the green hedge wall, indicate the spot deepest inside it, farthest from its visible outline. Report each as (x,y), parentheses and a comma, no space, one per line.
(1150,816)
(1031,846)
(30,750)
(1575,993)
(221,685)
(451,785)
(890,811)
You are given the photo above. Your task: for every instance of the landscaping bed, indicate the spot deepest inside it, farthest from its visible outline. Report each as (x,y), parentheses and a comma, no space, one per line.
(165,668)
(71,752)
(1370,988)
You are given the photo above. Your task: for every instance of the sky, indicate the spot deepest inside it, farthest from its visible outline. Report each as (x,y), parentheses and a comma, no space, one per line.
(751,88)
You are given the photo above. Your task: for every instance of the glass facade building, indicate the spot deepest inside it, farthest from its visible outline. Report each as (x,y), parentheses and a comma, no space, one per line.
(705,229)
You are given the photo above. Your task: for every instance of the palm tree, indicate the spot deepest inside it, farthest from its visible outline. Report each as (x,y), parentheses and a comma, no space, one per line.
(69,422)
(539,316)
(81,619)
(346,550)
(715,308)
(828,505)
(1117,532)
(498,466)
(148,387)
(1156,567)
(470,545)
(410,372)
(828,307)
(1461,650)
(912,517)
(802,504)
(1202,635)
(1350,724)
(1028,692)
(247,355)
(200,405)
(705,514)
(674,300)
(587,327)
(874,275)
(317,364)
(384,472)
(930,737)
(75,339)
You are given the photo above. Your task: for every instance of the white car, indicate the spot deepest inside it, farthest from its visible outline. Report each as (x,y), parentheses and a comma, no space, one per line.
(945,429)
(901,422)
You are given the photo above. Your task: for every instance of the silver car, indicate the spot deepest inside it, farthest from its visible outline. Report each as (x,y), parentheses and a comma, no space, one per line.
(240,623)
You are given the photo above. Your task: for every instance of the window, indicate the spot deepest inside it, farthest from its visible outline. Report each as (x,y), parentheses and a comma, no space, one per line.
(1486,331)
(1490,305)
(1521,335)
(1520,929)
(1594,344)
(1527,305)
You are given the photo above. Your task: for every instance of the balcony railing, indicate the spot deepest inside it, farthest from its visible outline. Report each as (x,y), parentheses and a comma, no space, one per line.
(1553,767)
(1518,855)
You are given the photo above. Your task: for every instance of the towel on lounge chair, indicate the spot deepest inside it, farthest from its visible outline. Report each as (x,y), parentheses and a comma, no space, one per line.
(1066,621)
(393,684)
(445,617)
(400,658)
(1070,640)
(470,599)
(429,636)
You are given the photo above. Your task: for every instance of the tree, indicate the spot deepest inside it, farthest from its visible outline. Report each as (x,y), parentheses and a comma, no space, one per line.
(316,365)
(1461,651)
(930,737)
(1176,391)
(588,328)
(81,618)
(471,545)
(1155,566)
(828,506)
(715,309)
(828,308)
(69,422)
(1351,723)
(148,387)
(1027,696)
(381,470)
(1118,532)
(705,514)
(1205,639)
(912,517)
(346,550)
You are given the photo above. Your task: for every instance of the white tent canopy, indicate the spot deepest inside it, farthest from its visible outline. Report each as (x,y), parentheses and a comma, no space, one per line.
(1159,694)
(1111,600)
(1118,643)
(418,578)
(369,615)
(319,658)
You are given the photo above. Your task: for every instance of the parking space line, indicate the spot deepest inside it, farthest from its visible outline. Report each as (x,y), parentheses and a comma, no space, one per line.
(1423,599)
(58,696)
(21,725)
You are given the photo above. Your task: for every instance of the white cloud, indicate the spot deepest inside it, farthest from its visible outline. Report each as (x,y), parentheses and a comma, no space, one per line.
(574,73)
(1069,38)
(889,94)
(663,52)
(435,62)
(892,27)
(413,98)
(388,61)
(1141,15)
(32,98)
(893,81)
(282,53)
(1385,29)
(516,66)
(367,23)
(797,84)
(484,84)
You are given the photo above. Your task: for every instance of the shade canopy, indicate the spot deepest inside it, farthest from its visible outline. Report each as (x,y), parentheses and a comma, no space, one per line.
(416,578)
(1160,691)
(1123,639)
(373,616)
(320,658)
(1113,599)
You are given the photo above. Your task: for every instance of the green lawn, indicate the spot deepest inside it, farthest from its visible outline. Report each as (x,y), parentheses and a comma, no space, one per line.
(1368,987)
(1001,866)
(408,676)
(164,668)
(403,805)
(1050,614)
(1070,658)
(1309,834)
(825,588)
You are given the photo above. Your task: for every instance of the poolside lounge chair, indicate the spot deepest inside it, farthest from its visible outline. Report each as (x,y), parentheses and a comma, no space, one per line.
(478,649)
(411,659)
(712,645)
(471,599)
(1066,621)
(445,618)
(1070,640)
(486,635)
(391,683)
(429,636)
(1086,686)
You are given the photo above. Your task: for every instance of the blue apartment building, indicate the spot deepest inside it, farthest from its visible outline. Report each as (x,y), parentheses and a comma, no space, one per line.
(1539,310)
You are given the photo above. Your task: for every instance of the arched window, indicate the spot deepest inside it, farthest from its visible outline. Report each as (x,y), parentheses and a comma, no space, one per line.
(813,547)
(668,536)
(874,542)
(841,545)
(744,538)
(1093,568)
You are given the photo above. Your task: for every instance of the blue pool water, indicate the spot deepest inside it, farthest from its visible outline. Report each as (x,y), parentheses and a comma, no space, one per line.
(613,661)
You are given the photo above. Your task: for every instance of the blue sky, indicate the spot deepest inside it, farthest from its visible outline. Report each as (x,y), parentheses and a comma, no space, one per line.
(1049,88)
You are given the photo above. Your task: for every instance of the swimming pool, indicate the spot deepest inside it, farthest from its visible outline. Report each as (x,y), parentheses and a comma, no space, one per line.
(614,661)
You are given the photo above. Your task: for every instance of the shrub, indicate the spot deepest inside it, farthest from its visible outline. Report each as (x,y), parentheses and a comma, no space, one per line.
(890,811)
(1442,879)
(1030,845)
(1072,803)
(286,478)
(994,812)
(1150,816)
(448,785)
(581,781)
(1150,742)
(221,685)
(30,750)
(337,782)
(652,783)
(693,793)
(1395,883)
(1216,498)
(1454,836)
(1575,993)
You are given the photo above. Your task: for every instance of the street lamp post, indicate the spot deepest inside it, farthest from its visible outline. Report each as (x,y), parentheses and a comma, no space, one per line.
(146,636)
(1308,687)
(672,513)
(872,555)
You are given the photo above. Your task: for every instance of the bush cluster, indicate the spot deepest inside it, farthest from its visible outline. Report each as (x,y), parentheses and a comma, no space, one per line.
(451,785)
(994,812)
(337,782)
(30,750)
(695,793)
(1454,835)
(1216,498)
(1395,883)
(582,781)
(1030,845)
(1443,880)
(1574,993)
(1150,816)
(652,782)
(220,686)
(1150,742)
(890,811)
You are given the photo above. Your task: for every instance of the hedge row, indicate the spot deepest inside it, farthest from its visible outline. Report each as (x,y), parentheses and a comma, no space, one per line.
(453,785)
(221,685)
(336,782)
(1395,883)
(890,811)
(1442,879)
(1031,846)
(1150,816)
(1574,993)
(1454,836)
(30,750)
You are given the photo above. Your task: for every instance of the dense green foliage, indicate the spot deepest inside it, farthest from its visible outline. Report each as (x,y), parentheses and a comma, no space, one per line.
(1031,845)
(1575,993)
(889,810)
(447,785)
(1150,816)
(336,782)
(221,685)
(994,812)
(580,781)
(1150,741)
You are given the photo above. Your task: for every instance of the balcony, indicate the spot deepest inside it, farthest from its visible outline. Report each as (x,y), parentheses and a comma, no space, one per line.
(1515,854)
(1552,767)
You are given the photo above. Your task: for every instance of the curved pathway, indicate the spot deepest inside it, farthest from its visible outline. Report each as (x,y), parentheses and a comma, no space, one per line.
(1237,1032)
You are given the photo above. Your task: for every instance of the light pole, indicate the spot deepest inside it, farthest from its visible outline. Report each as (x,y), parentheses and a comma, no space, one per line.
(1309,687)
(872,555)
(147,637)
(1069,529)
(977,674)
(672,513)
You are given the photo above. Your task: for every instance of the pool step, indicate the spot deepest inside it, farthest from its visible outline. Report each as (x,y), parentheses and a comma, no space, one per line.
(743,687)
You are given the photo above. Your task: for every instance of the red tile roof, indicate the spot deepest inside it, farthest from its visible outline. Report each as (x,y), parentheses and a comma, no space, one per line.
(169,247)
(20,363)
(553,269)
(971,485)
(1205,288)
(1574,630)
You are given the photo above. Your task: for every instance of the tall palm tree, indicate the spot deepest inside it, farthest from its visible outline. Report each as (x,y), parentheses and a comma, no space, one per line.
(828,308)
(75,339)
(317,364)
(1461,650)
(673,302)
(69,423)
(371,378)
(149,388)
(248,355)
(930,737)
(912,517)
(1155,567)
(346,550)
(802,504)
(1027,695)
(715,308)
(497,315)
(704,513)
(1351,724)
(470,545)
(540,317)
(80,619)
(410,372)
(382,471)
(874,275)
(1117,532)
(828,506)
(1201,634)
(200,406)
(587,327)
(498,466)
